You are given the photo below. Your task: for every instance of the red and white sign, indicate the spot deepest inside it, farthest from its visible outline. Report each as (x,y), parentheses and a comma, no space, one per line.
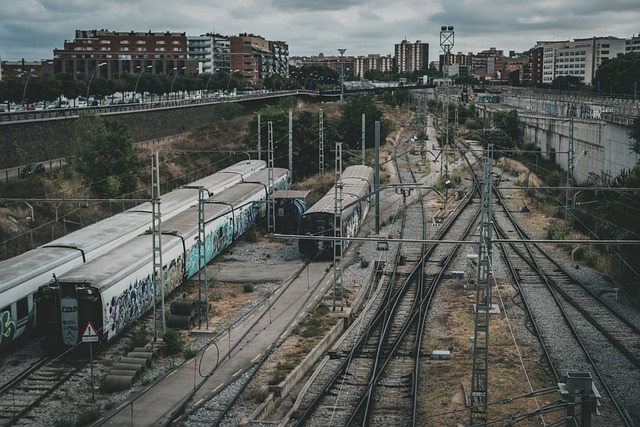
(90,334)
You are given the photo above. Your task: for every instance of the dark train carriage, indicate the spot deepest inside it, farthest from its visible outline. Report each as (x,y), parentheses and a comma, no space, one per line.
(357,184)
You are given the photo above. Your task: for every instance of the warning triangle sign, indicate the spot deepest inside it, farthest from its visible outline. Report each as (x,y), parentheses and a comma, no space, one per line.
(90,331)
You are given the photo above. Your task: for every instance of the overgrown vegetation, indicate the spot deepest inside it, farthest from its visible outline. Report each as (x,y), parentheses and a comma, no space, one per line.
(174,342)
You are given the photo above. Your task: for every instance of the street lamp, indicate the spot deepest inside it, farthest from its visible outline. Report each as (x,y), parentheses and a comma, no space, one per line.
(229,81)
(102,64)
(24,91)
(304,86)
(135,89)
(175,76)
(342,51)
(206,87)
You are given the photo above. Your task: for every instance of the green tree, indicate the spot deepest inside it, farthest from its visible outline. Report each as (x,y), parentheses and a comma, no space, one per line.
(351,121)
(105,156)
(634,134)
(280,126)
(619,75)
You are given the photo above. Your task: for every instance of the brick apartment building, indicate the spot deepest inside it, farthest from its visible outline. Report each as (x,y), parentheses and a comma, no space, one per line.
(159,53)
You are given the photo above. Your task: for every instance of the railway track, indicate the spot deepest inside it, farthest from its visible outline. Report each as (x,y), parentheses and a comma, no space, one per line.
(373,376)
(579,331)
(27,390)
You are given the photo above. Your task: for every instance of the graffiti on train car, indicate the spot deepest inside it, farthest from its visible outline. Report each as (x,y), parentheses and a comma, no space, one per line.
(352,225)
(215,243)
(7,327)
(245,219)
(129,305)
(173,275)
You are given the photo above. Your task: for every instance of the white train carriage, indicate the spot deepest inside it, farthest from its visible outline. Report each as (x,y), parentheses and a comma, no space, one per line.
(115,289)
(21,276)
(318,220)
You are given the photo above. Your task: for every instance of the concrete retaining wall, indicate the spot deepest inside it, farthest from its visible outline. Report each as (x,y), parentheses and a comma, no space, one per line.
(35,141)
(601,147)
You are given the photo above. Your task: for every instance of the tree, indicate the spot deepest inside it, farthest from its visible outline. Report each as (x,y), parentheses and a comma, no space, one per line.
(619,75)
(280,127)
(351,121)
(105,156)
(634,134)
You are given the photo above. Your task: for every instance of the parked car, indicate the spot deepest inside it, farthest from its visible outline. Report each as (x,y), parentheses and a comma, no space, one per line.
(32,169)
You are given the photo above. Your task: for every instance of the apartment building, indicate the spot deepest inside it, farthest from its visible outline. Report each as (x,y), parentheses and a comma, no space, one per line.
(632,44)
(411,57)
(256,58)
(212,51)
(580,57)
(111,53)
(362,64)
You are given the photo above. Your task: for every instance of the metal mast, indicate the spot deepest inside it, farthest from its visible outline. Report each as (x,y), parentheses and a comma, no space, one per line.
(259,139)
(480,354)
(202,262)
(321,144)
(271,212)
(291,143)
(337,229)
(156,229)
(571,157)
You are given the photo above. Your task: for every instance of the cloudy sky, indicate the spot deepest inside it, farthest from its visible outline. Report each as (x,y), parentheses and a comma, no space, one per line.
(31,29)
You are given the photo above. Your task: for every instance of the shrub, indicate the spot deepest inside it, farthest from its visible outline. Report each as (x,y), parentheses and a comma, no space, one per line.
(189,353)
(139,338)
(174,341)
(364,263)
(248,288)
(63,423)
(86,417)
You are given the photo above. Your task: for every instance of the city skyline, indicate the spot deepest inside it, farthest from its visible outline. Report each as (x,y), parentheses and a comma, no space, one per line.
(31,29)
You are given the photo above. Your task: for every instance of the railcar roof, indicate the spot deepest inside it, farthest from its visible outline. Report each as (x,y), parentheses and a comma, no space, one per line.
(34,263)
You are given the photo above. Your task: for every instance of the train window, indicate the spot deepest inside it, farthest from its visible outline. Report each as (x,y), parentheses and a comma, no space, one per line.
(22,308)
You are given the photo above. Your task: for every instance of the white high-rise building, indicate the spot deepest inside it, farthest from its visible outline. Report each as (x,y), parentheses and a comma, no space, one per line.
(580,57)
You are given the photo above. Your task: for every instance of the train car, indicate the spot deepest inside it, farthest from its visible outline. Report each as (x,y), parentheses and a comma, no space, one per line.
(115,289)
(21,276)
(318,220)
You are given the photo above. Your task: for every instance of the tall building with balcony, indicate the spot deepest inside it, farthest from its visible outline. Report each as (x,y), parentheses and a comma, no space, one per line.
(256,58)
(212,51)
(159,53)
(411,57)
(580,57)
(362,64)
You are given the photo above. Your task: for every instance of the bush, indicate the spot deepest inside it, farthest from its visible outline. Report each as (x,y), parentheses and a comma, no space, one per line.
(86,417)
(189,353)
(248,288)
(63,423)
(139,338)
(174,341)
(364,263)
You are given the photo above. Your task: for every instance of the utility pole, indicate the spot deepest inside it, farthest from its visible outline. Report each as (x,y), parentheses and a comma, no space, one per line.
(156,228)
(259,138)
(337,230)
(363,135)
(202,262)
(570,167)
(271,212)
(342,51)
(447,36)
(321,142)
(480,353)
(291,143)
